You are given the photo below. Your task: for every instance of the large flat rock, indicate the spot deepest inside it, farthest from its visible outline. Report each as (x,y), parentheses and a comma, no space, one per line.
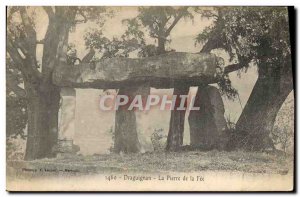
(208,125)
(163,71)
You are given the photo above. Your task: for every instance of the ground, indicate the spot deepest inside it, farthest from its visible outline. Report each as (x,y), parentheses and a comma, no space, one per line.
(192,161)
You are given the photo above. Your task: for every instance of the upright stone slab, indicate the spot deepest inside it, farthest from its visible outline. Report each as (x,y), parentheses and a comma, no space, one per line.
(129,127)
(208,125)
(176,128)
(126,137)
(142,119)
(67,122)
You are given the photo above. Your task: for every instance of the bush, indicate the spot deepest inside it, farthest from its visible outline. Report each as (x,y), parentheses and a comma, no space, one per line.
(15,148)
(158,139)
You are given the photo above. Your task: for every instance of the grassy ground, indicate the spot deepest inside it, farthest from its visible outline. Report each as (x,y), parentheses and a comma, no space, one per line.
(193,161)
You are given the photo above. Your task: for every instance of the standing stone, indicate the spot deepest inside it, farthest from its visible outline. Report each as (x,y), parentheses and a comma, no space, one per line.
(144,131)
(67,122)
(142,122)
(176,128)
(126,137)
(208,125)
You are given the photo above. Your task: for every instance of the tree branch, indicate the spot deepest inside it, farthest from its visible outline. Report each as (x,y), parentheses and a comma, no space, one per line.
(55,41)
(88,57)
(30,31)
(212,43)
(22,64)
(29,49)
(14,54)
(168,18)
(49,11)
(22,45)
(233,67)
(179,16)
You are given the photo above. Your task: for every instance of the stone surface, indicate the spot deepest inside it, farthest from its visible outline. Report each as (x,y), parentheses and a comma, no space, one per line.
(208,125)
(66,131)
(159,71)
(142,122)
(126,137)
(67,114)
(176,128)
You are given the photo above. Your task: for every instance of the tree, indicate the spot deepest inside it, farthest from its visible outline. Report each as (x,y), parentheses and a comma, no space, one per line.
(160,21)
(42,97)
(259,36)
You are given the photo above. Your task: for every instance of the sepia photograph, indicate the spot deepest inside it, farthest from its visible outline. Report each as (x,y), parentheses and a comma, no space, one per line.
(150,98)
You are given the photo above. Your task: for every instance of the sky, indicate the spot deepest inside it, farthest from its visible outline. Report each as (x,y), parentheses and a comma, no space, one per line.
(93,125)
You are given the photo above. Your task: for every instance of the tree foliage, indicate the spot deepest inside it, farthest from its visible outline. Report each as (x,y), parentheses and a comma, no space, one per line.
(250,35)
(16,115)
(158,22)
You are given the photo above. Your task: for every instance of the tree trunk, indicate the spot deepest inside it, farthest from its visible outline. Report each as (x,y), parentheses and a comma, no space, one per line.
(42,134)
(161,46)
(258,117)
(126,137)
(176,128)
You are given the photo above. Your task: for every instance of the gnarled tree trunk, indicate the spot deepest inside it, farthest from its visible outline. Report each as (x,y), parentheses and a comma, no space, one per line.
(258,117)
(42,122)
